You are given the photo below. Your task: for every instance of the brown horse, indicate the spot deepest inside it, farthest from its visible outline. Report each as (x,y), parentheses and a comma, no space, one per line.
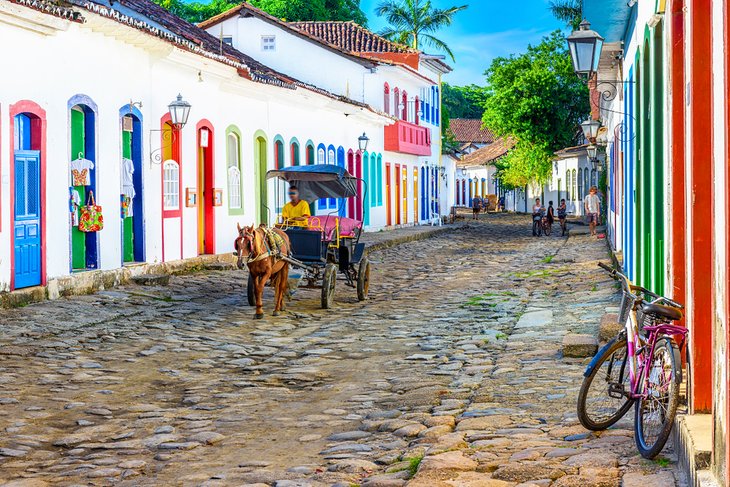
(264,263)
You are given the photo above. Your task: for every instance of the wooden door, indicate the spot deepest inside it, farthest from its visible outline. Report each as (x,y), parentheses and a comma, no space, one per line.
(27,212)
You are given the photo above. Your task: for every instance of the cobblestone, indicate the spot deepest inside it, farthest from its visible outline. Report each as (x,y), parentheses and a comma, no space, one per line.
(451,371)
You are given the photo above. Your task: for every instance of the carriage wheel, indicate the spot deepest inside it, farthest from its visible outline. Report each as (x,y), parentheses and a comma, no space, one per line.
(328,286)
(363,280)
(251,291)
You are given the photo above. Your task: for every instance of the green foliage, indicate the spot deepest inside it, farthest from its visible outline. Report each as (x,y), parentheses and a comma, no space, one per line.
(413,464)
(463,101)
(569,11)
(301,10)
(536,98)
(548,258)
(414,22)
(290,10)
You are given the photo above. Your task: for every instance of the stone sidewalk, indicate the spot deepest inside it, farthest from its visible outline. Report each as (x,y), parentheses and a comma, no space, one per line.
(449,375)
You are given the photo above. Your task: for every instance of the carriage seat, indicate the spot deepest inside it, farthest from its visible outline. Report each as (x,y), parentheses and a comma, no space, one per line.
(328,226)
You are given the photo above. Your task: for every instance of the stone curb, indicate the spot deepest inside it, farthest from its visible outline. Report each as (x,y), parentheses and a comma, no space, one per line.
(90,282)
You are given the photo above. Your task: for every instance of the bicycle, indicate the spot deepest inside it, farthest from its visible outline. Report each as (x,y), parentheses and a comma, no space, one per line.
(641,366)
(537,224)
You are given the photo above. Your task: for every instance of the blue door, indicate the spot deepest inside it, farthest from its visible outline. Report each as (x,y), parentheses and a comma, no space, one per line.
(27,229)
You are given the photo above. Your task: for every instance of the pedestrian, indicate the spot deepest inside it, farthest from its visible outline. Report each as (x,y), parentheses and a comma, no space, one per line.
(592,205)
(550,215)
(475,205)
(537,211)
(562,215)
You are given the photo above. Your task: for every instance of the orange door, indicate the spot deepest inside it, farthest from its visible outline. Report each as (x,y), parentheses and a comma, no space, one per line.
(397,194)
(389,219)
(415,194)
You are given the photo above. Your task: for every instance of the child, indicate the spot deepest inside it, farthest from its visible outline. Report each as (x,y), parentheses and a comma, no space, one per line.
(562,215)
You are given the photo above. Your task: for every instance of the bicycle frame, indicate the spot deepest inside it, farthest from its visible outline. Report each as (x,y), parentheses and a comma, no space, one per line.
(638,357)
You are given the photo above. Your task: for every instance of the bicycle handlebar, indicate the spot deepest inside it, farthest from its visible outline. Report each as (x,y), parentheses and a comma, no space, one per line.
(629,287)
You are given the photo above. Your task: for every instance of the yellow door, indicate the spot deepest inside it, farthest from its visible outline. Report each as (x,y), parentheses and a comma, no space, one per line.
(405,194)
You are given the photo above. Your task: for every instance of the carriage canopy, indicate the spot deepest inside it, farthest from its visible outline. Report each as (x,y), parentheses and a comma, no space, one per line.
(318,181)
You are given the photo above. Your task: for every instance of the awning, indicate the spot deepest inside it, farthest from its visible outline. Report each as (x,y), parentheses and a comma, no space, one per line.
(318,181)
(610,18)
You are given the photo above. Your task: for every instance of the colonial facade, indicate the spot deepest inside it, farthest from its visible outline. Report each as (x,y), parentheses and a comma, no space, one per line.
(661,92)
(99,130)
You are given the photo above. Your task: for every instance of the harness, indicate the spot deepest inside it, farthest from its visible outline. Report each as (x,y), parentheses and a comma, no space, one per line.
(273,243)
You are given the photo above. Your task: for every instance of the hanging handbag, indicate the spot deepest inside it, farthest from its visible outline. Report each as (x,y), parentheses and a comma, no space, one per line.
(91,219)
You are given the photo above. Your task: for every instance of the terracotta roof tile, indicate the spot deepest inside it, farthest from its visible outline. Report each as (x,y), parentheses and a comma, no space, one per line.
(489,154)
(470,130)
(351,37)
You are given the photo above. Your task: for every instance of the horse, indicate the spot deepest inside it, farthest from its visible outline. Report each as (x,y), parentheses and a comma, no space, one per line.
(264,263)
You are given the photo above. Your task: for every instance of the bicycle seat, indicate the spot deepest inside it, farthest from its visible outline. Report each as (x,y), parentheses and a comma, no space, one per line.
(667,312)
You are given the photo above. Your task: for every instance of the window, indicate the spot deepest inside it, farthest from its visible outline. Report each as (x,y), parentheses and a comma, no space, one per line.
(581,188)
(295,154)
(233,154)
(320,155)
(417,107)
(172,185)
(331,156)
(437,106)
(575,189)
(279,154)
(268,43)
(396,101)
(567,185)
(310,155)
(404,107)
(386,98)
(228,40)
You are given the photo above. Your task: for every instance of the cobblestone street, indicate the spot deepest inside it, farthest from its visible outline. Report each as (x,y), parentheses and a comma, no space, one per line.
(451,374)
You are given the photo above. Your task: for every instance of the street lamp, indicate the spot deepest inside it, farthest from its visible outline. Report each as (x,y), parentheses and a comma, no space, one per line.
(362,142)
(463,171)
(592,152)
(179,112)
(590,129)
(585,49)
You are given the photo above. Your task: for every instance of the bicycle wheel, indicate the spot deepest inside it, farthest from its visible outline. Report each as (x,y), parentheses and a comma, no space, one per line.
(602,399)
(654,414)
(547,230)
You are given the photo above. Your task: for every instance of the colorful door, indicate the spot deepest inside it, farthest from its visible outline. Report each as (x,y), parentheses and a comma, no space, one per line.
(262,192)
(133,208)
(364,193)
(206,215)
(397,194)
(83,245)
(27,211)
(342,202)
(389,218)
(415,193)
(404,187)
(351,170)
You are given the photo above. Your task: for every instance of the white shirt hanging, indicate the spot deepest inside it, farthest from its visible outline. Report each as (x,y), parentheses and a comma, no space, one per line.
(80,169)
(127,178)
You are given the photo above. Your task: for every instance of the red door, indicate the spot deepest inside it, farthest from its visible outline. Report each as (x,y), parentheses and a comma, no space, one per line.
(351,170)
(206,215)
(397,194)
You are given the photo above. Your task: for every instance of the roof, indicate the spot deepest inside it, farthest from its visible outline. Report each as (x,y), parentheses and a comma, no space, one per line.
(571,151)
(489,154)
(470,130)
(152,19)
(351,37)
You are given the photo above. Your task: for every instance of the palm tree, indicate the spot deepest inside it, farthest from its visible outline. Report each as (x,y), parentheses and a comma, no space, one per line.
(414,22)
(569,11)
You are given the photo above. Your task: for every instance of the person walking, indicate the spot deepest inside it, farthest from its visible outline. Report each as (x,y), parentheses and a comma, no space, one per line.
(476,204)
(592,204)
(562,216)
(550,215)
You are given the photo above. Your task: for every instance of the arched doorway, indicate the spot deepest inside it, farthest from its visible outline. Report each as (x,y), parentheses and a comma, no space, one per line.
(206,182)
(82,179)
(27,195)
(260,168)
(351,170)
(132,188)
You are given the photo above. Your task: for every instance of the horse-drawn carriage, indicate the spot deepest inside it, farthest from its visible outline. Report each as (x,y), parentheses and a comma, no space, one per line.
(324,245)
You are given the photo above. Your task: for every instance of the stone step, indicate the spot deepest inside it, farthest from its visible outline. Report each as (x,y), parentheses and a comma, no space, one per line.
(579,346)
(609,328)
(692,437)
(151,279)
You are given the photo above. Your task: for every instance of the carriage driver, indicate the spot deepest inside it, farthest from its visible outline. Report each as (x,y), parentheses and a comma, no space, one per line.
(296,212)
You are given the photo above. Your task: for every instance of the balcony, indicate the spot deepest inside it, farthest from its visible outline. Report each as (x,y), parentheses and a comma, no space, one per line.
(408,138)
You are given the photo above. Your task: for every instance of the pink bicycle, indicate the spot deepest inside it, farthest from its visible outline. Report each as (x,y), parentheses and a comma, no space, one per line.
(640,366)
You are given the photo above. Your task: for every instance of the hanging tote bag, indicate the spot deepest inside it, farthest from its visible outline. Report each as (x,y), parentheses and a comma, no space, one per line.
(91,219)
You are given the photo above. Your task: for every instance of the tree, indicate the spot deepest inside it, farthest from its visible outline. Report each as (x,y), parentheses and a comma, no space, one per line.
(569,11)
(463,101)
(414,22)
(536,98)
(289,10)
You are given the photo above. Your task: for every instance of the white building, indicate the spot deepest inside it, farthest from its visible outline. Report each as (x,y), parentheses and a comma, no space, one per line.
(346,59)
(91,92)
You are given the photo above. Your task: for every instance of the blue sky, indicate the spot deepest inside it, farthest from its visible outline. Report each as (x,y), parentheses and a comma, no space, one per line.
(487,29)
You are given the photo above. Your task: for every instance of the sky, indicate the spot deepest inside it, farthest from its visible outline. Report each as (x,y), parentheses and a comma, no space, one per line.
(484,31)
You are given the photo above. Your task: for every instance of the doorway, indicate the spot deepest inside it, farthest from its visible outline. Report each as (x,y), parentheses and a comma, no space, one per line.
(415,195)
(397,194)
(206,192)
(84,246)
(388,213)
(132,188)
(261,166)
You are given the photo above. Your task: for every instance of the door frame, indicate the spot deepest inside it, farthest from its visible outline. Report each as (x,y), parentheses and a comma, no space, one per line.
(30,107)
(388,205)
(206,166)
(397,181)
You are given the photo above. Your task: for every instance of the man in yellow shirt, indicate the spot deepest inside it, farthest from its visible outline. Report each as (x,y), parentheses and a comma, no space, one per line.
(296,212)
